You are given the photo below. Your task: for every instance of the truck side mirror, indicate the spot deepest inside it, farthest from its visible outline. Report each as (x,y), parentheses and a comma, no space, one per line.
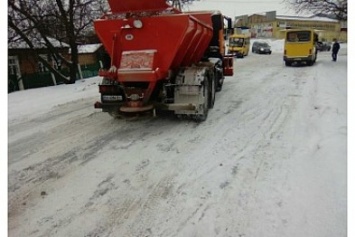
(229,22)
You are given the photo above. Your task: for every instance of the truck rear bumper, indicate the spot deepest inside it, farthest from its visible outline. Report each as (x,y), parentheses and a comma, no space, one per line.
(298,59)
(172,107)
(100,105)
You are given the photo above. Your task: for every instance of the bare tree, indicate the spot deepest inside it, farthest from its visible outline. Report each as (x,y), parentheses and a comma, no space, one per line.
(336,8)
(179,4)
(68,21)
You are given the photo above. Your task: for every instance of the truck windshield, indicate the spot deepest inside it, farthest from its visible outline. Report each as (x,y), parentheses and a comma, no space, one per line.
(236,42)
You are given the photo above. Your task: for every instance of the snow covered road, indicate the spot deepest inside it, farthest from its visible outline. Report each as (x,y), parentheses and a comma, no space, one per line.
(269,161)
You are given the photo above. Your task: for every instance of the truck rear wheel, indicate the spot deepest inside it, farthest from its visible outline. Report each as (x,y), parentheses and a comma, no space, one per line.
(207,97)
(202,117)
(219,77)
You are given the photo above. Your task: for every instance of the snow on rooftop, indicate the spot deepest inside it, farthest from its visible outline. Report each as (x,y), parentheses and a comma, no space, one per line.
(88,48)
(295,17)
(310,18)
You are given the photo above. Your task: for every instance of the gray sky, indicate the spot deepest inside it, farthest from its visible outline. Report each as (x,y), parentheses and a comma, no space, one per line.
(241,7)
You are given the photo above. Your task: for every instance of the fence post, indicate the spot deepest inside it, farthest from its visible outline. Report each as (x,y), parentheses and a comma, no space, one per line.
(19,76)
(80,73)
(20,84)
(53,79)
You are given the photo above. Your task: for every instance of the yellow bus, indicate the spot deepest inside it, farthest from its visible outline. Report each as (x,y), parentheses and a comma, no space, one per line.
(300,46)
(239,45)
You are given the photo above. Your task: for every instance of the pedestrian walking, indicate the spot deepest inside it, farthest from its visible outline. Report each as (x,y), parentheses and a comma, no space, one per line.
(335,50)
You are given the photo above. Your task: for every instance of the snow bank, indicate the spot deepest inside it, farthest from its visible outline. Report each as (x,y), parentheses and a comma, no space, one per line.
(36,101)
(277,45)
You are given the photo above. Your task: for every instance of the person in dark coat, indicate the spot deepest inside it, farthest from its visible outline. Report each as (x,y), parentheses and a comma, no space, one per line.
(335,50)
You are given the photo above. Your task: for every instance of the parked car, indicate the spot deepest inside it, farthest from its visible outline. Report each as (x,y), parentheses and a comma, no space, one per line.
(261,48)
(323,46)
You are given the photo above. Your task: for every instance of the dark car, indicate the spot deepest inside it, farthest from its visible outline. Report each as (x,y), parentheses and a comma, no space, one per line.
(323,46)
(261,48)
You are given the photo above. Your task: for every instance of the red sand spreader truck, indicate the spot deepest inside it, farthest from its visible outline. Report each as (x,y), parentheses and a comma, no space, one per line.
(162,58)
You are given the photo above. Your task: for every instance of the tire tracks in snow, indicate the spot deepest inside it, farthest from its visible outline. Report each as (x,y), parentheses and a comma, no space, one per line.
(256,157)
(42,158)
(266,136)
(60,157)
(174,180)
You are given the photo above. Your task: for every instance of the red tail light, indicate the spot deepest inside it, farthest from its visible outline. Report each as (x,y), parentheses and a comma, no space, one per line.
(228,65)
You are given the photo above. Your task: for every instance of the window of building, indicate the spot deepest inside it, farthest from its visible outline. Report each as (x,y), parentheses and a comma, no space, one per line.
(13,65)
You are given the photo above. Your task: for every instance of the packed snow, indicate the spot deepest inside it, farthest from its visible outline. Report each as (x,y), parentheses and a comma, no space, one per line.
(270,160)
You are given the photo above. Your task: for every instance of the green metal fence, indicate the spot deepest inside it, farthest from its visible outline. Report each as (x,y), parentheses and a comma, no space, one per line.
(37,80)
(12,84)
(90,70)
(43,79)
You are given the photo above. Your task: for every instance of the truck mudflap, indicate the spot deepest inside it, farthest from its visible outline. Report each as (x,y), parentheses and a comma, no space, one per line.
(192,93)
(228,65)
(176,107)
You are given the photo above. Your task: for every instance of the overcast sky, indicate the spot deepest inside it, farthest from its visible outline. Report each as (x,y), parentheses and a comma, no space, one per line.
(241,7)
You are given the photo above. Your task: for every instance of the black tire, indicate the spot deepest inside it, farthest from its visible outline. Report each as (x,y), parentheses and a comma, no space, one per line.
(219,77)
(287,63)
(202,117)
(212,91)
(219,86)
